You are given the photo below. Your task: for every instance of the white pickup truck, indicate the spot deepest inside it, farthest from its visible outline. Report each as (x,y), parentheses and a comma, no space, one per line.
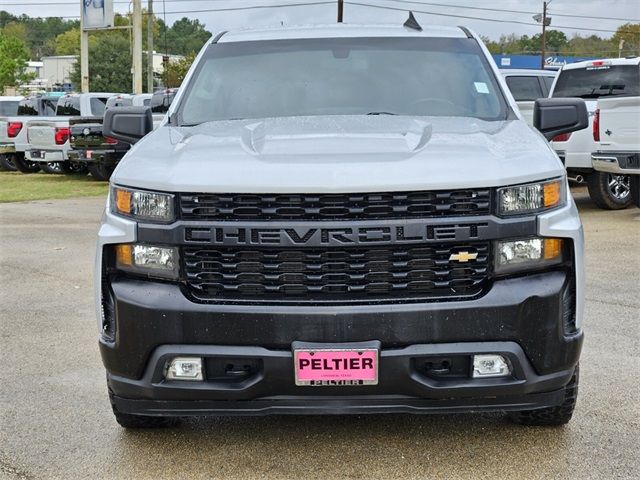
(13,130)
(527,86)
(595,81)
(49,138)
(616,131)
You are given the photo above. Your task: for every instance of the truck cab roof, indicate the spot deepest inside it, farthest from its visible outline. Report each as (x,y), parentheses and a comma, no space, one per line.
(344,30)
(602,62)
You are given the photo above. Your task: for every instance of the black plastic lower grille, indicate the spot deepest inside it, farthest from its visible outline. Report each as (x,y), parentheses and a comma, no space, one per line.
(351,206)
(336,275)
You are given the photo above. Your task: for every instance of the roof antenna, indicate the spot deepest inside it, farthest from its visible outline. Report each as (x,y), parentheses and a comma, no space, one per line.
(412,23)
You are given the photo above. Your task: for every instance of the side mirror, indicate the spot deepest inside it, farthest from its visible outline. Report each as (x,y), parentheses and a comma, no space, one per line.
(555,116)
(127,124)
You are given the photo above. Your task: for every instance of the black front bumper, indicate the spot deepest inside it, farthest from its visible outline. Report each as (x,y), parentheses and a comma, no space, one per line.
(520,318)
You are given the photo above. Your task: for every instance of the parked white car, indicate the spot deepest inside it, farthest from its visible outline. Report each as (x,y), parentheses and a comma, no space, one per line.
(594,81)
(527,86)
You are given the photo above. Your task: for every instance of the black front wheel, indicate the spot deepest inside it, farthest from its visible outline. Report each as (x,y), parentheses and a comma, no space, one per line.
(25,166)
(552,416)
(7,163)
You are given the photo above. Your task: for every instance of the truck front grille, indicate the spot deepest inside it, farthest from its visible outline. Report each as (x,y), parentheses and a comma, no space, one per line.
(334,275)
(352,206)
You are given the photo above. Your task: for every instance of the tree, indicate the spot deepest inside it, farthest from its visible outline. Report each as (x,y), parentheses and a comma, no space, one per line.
(182,38)
(555,40)
(177,70)
(109,63)
(14,56)
(68,43)
(630,33)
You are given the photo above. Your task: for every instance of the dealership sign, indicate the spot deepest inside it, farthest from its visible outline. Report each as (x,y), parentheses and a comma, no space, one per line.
(96,14)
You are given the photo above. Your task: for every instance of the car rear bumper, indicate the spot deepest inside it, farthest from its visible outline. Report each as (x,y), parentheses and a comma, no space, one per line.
(519,318)
(41,155)
(622,163)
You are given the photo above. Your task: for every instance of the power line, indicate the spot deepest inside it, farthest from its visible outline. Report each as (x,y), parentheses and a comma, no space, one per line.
(466,7)
(467,17)
(230,9)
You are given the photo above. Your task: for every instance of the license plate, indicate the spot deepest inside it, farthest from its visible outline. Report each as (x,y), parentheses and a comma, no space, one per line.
(336,366)
(7,149)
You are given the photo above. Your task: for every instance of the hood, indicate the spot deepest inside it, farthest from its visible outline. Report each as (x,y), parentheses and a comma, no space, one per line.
(338,154)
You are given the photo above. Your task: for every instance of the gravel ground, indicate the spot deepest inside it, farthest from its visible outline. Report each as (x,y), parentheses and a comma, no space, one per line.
(55,420)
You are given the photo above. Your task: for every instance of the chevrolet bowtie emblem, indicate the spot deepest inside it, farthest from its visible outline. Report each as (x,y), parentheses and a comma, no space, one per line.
(463,256)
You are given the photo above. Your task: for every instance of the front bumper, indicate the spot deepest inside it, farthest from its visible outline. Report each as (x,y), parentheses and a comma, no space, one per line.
(519,318)
(621,163)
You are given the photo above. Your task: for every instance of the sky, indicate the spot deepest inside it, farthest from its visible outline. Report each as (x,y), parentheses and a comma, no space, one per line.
(562,12)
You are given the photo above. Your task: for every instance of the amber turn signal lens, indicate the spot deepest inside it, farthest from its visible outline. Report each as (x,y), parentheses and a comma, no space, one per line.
(552,193)
(123,201)
(123,254)
(552,248)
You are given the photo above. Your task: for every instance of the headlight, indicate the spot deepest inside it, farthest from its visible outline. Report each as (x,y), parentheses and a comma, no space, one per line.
(147,260)
(142,205)
(527,254)
(531,198)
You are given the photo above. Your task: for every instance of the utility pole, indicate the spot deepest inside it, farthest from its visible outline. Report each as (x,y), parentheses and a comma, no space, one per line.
(340,10)
(84,58)
(150,22)
(546,21)
(544,32)
(136,66)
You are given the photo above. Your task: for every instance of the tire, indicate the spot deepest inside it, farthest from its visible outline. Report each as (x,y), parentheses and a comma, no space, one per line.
(100,172)
(74,168)
(7,164)
(25,166)
(53,168)
(552,416)
(610,191)
(127,420)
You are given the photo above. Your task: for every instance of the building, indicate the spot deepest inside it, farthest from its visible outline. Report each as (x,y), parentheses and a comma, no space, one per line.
(533,61)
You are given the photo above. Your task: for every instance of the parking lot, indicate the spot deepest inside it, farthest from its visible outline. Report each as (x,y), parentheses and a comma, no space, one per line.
(56,422)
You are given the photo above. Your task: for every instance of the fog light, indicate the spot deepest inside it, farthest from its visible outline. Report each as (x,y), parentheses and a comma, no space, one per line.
(185,368)
(490,366)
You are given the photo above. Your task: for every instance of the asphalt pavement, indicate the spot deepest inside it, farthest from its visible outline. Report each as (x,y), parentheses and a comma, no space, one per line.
(55,419)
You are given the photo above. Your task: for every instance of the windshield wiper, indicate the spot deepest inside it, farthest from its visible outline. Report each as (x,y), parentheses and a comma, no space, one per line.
(381,113)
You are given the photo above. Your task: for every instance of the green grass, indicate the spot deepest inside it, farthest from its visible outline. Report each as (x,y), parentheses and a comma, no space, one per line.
(18,187)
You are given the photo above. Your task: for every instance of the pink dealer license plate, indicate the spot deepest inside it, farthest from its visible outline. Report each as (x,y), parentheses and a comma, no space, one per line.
(336,367)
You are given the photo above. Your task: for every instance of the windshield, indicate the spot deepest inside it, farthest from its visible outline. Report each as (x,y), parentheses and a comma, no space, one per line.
(599,81)
(345,76)
(9,107)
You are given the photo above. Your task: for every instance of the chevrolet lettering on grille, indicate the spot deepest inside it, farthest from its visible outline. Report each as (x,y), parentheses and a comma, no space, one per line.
(339,236)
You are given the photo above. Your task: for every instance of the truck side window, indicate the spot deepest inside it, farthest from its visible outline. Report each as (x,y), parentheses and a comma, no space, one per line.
(97,106)
(28,107)
(524,88)
(68,106)
(548,81)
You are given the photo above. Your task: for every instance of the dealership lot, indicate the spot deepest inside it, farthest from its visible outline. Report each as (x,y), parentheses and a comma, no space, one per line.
(55,420)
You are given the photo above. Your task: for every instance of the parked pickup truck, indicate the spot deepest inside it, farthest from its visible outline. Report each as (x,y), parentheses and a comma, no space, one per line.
(593,81)
(49,138)
(616,131)
(13,129)
(89,146)
(527,86)
(8,108)
(298,237)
